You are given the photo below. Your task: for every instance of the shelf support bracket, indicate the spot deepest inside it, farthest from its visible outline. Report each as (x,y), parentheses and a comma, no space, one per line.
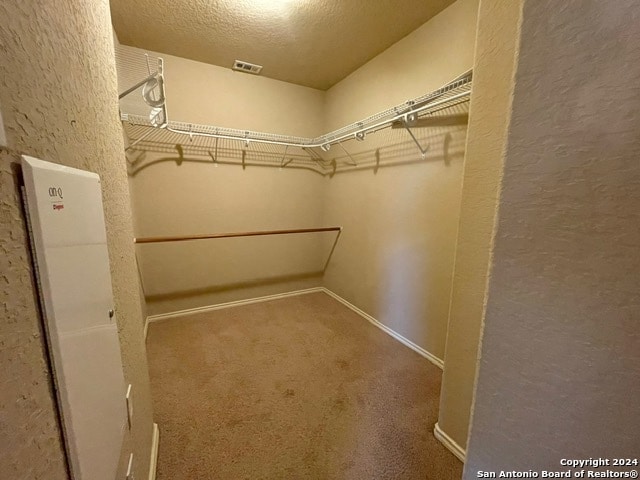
(137,141)
(138,85)
(284,157)
(424,150)
(215,158)
(353,162)
(313,156)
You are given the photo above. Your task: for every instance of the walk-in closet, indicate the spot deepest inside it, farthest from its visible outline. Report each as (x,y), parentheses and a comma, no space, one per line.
(316,239)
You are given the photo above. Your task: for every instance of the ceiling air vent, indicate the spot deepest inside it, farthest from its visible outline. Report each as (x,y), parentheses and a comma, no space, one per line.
(247,67)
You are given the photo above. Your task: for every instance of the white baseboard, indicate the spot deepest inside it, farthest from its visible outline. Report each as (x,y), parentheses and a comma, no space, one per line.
(209,308)
(153,462)
(220,306)
(445,439)
(450,443)
(405,341)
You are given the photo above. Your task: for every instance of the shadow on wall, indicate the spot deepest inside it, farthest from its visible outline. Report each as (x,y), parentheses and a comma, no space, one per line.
(384,148)
(399,154)
(417,264)
(371,159)
(259,282)
(395,260)
(243,284)
(182,275)
(138,160)
(178,189)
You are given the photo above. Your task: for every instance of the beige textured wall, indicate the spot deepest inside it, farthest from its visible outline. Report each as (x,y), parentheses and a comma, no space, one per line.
(395,256)
(493,71)
(58,97)
(559,372)
(211,95)
(200,198)
(424,60)
(193,196)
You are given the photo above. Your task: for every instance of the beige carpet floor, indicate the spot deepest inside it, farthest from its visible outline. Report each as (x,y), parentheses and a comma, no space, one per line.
(297,388)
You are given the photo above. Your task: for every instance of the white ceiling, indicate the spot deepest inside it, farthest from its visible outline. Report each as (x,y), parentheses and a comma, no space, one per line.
(315,43)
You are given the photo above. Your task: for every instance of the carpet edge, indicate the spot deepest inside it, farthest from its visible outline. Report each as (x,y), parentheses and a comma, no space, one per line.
(389,331)
(220,306)
(438,362)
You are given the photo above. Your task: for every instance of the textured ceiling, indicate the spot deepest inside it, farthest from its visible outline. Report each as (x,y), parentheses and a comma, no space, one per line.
(308,42)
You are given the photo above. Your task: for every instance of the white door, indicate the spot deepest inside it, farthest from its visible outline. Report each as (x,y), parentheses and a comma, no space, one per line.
(68,236)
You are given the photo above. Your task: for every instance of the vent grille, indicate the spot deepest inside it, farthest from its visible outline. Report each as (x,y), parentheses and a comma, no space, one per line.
(246,67)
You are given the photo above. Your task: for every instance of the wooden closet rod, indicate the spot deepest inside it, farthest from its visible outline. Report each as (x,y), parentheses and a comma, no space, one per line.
(237,234)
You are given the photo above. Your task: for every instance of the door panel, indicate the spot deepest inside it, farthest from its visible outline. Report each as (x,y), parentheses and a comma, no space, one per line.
(65,214)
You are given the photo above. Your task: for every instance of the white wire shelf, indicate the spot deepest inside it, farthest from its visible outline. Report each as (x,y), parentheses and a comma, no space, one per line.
(155,128)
